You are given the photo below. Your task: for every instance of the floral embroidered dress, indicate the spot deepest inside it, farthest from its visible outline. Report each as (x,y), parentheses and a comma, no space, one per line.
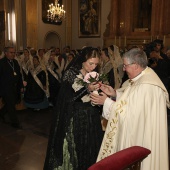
(76,132)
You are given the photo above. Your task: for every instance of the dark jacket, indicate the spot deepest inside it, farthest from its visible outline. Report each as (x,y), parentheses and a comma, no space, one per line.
(10,78)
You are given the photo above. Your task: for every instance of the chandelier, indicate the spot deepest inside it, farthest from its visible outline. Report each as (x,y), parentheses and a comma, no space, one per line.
(56,13)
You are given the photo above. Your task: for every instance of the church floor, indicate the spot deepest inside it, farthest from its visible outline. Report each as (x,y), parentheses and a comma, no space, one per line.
(25,149)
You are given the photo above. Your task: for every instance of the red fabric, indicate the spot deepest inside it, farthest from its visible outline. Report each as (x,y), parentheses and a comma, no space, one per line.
(121,159)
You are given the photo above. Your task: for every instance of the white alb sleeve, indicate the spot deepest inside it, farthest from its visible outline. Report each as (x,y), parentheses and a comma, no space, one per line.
(107,108)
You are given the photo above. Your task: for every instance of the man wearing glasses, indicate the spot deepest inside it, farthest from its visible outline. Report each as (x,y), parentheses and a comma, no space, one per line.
(138,117)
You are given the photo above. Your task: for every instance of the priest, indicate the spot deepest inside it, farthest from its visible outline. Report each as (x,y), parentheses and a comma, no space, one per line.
(138,117)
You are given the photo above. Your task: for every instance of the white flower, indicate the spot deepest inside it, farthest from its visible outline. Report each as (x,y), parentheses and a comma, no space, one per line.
(80,76)
(76,86)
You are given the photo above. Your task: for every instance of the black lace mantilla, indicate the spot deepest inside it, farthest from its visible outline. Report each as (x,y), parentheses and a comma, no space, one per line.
(76,132)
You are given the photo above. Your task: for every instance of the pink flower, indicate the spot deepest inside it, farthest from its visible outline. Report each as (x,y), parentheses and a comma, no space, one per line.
(91,77)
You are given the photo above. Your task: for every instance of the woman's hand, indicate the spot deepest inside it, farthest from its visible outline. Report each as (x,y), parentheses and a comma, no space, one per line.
(108,90)
(93,86)
(98,99)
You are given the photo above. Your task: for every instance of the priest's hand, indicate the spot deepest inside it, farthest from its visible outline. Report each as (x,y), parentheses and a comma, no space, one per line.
(108,90)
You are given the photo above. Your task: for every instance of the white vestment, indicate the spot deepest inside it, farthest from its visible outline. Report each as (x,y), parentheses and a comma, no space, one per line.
(138,118)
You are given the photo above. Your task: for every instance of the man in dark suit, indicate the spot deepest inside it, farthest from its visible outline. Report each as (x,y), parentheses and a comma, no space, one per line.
(11,86)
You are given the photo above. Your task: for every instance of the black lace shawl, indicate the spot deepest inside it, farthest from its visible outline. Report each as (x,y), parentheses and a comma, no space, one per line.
(65,109)
(63,112)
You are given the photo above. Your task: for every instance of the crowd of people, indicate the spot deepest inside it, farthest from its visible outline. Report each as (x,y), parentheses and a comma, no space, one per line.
(130,107)
(30,79)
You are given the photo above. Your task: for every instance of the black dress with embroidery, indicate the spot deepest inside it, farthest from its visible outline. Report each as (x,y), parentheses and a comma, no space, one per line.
(76,133)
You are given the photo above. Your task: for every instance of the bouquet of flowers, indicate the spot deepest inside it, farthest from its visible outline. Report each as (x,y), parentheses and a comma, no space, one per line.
(92,77)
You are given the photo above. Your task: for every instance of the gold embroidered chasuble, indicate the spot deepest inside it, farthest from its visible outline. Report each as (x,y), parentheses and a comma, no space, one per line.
(139,118)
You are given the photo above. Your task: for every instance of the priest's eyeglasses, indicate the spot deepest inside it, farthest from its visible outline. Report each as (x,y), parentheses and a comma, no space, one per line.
(125,65)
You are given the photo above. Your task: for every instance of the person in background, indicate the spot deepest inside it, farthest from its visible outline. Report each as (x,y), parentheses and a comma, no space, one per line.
(41,57)
(160,63)
(11,86)
(106,66)
(161,68)
(33,52)
(138,117)
(36,93)
(168,53)
(116,60)
(70,57)
(1,54)
(74,52)
(25,64)
(76,132)
(66,52)
(18,56)
(53,80)
(158,47)
(114,64)
(59,60)
(43,62)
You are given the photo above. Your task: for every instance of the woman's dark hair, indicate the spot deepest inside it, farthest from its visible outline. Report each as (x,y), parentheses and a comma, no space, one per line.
(158,41)
(85,54)
(26,49)
(36,57)
(150,47)
(105,50)
(112,47)
(41,49)
(71,55)
(73,52)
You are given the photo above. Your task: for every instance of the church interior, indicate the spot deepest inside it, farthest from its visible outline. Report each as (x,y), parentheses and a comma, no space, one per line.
(27,24)
(134,22)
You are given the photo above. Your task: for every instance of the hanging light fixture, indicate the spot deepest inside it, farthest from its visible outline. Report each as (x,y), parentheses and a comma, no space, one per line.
(56,13)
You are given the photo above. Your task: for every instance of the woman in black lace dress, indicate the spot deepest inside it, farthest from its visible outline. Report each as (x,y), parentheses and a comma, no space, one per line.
(76,133)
